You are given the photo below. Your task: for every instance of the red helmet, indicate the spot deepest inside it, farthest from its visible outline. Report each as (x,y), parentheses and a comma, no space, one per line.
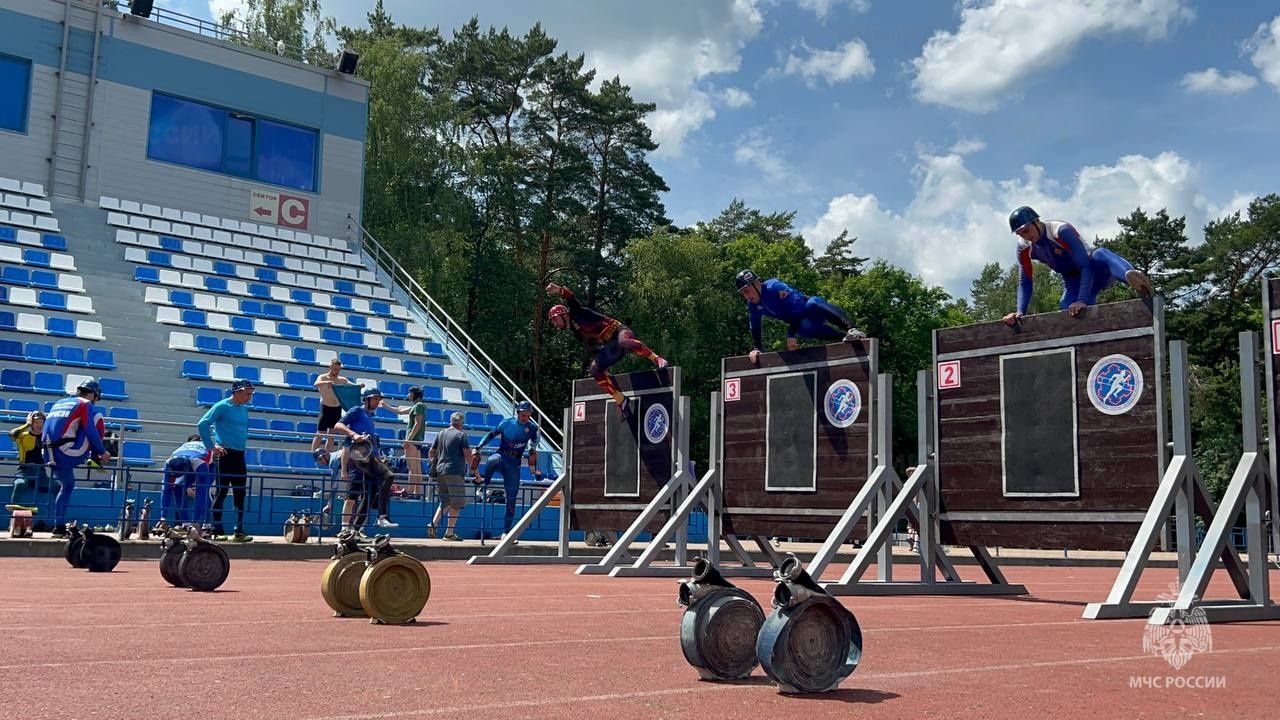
(556,311)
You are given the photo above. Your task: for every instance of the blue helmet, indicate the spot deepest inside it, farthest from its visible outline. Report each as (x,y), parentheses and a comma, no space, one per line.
(745,278)
(1022,216)
(92,386)
(524,406)
(372,392)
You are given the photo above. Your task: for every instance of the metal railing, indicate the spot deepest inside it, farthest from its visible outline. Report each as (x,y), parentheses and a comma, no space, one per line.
(498,380)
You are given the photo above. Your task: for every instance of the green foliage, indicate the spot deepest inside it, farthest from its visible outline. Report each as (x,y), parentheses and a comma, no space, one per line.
(295,29)
(995,291)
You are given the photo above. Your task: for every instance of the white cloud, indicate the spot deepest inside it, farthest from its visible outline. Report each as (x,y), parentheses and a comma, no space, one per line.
(1264,49)
(1212,81)
(958,222)
(736,97)
(1001,43)
(1239,203)
(756,149)
(968,146)
(822,7)
(848,61)
(218,7)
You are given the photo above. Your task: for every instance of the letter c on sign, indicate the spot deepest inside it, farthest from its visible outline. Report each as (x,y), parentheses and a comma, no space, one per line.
(293,211)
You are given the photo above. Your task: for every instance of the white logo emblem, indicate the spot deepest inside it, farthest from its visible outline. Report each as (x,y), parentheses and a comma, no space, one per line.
(1186,633)
(842,403)
(656,423)
(1115,384)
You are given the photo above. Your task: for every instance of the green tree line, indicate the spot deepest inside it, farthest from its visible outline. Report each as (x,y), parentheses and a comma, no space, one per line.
(494,164)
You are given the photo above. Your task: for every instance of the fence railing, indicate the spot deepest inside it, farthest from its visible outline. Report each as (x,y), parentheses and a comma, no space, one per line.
(497,379)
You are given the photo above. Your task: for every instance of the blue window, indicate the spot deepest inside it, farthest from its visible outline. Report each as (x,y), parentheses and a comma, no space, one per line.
(223,141)
(15,91)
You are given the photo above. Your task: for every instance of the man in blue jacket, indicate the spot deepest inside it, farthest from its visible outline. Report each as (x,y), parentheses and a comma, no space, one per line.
(73,436)
(805,316)
(517,434)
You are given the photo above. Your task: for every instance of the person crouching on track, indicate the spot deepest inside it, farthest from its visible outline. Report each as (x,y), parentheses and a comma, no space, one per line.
(515,435)
(615,339)
(358,425)
(73,436)
(805,316)
(1085,271)
(188,473)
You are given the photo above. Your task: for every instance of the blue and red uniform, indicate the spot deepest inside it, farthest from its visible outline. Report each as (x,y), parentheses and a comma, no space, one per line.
(515,438)
(615,339)
(187,467)
(73,434)
(808,317)
(1085,271)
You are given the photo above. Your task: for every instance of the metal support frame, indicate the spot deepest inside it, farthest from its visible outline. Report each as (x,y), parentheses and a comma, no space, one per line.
(672,495)
(889,501)
(1182,491)
(502,553)
(1247,491)
(708,493)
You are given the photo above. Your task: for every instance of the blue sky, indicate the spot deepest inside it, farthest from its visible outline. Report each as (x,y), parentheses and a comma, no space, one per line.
(919,124)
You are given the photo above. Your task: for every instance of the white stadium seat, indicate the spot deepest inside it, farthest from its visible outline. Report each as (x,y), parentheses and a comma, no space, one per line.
(273,376)
(61,261)
(168,315)
(218,321)
(181,341)
(135,255)
(30,322)
(80,304)
(89,330)
(31,188)
(257,350)
(222,372)
(70,283)
(108,203)
(155,295)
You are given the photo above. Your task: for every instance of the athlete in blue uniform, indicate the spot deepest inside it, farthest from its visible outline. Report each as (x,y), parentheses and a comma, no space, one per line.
(72,436)
(805,316)
(1085,271)
(516,434)
(188,473)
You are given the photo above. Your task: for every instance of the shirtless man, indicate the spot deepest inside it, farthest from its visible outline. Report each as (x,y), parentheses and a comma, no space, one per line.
(330,411)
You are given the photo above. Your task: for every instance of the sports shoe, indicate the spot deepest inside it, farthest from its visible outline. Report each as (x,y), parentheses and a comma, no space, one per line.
(239,536)
(1137,280)
(431,533)
(854,334)
(385,522)
(452,537)
(503,536)
(662,363)
(624,410)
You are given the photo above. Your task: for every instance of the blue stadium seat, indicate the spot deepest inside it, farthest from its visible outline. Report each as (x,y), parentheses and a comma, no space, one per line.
(123,415)
(276,459)
(258,428)
(13,275)
(436,416)
(248,372)
(46,279)
(380,308)
(357,322)
(397,327)
(434,348)
(266,275)
(215,284)
(264,401)
(297,379)
(331,336)
(316,316)
(49,300)
(8,321)
(385,414)
(195,369)
(372,363)
(207,396)
(259,290)
(432,393)
(155,257)
(473,396)
(194,318)
(302,297)
(307,427)
(272,261)
(251,458)
(433,370)
(4,293)
(12,350)
(311,403)
(242,324)
(353,339)
(223,268)
(385,433)
(282,426)
(252,308)
(349,360)
(473,420)
(54,242)
(208,344)
(113,389)
(389,388)
(101,359)
(146,274)
(302,461)
(49,383)
(275,311)
(7,449)
(289,331)
(231,346)
(394,344)
(136,452)
(291,404)
(23,406)
(62,327)
(346,287)
(304,355)
(40,353)
(182,299)
(341,303)
(9,234)
(35,257)
(171,244)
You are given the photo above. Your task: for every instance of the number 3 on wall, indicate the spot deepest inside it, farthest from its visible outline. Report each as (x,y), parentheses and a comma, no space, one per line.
(949,375)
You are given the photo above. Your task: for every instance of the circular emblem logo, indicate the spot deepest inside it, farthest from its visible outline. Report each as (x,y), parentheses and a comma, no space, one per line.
(1115,384)
(842,403)
(657,421)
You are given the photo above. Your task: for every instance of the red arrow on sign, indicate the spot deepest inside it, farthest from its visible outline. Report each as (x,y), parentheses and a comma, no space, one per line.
(262,211)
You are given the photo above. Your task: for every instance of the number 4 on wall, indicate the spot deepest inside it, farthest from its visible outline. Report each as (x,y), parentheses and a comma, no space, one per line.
(949,375)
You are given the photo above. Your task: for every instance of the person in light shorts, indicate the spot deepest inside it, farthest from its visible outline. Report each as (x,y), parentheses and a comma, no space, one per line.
(448,458)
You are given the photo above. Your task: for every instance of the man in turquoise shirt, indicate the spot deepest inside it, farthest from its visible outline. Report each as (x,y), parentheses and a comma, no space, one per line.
(225,428)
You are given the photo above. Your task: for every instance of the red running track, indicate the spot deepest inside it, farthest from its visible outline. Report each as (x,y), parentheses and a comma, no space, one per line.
(541,642)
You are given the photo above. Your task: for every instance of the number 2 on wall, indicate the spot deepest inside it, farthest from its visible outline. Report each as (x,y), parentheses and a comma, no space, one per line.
(949,375)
